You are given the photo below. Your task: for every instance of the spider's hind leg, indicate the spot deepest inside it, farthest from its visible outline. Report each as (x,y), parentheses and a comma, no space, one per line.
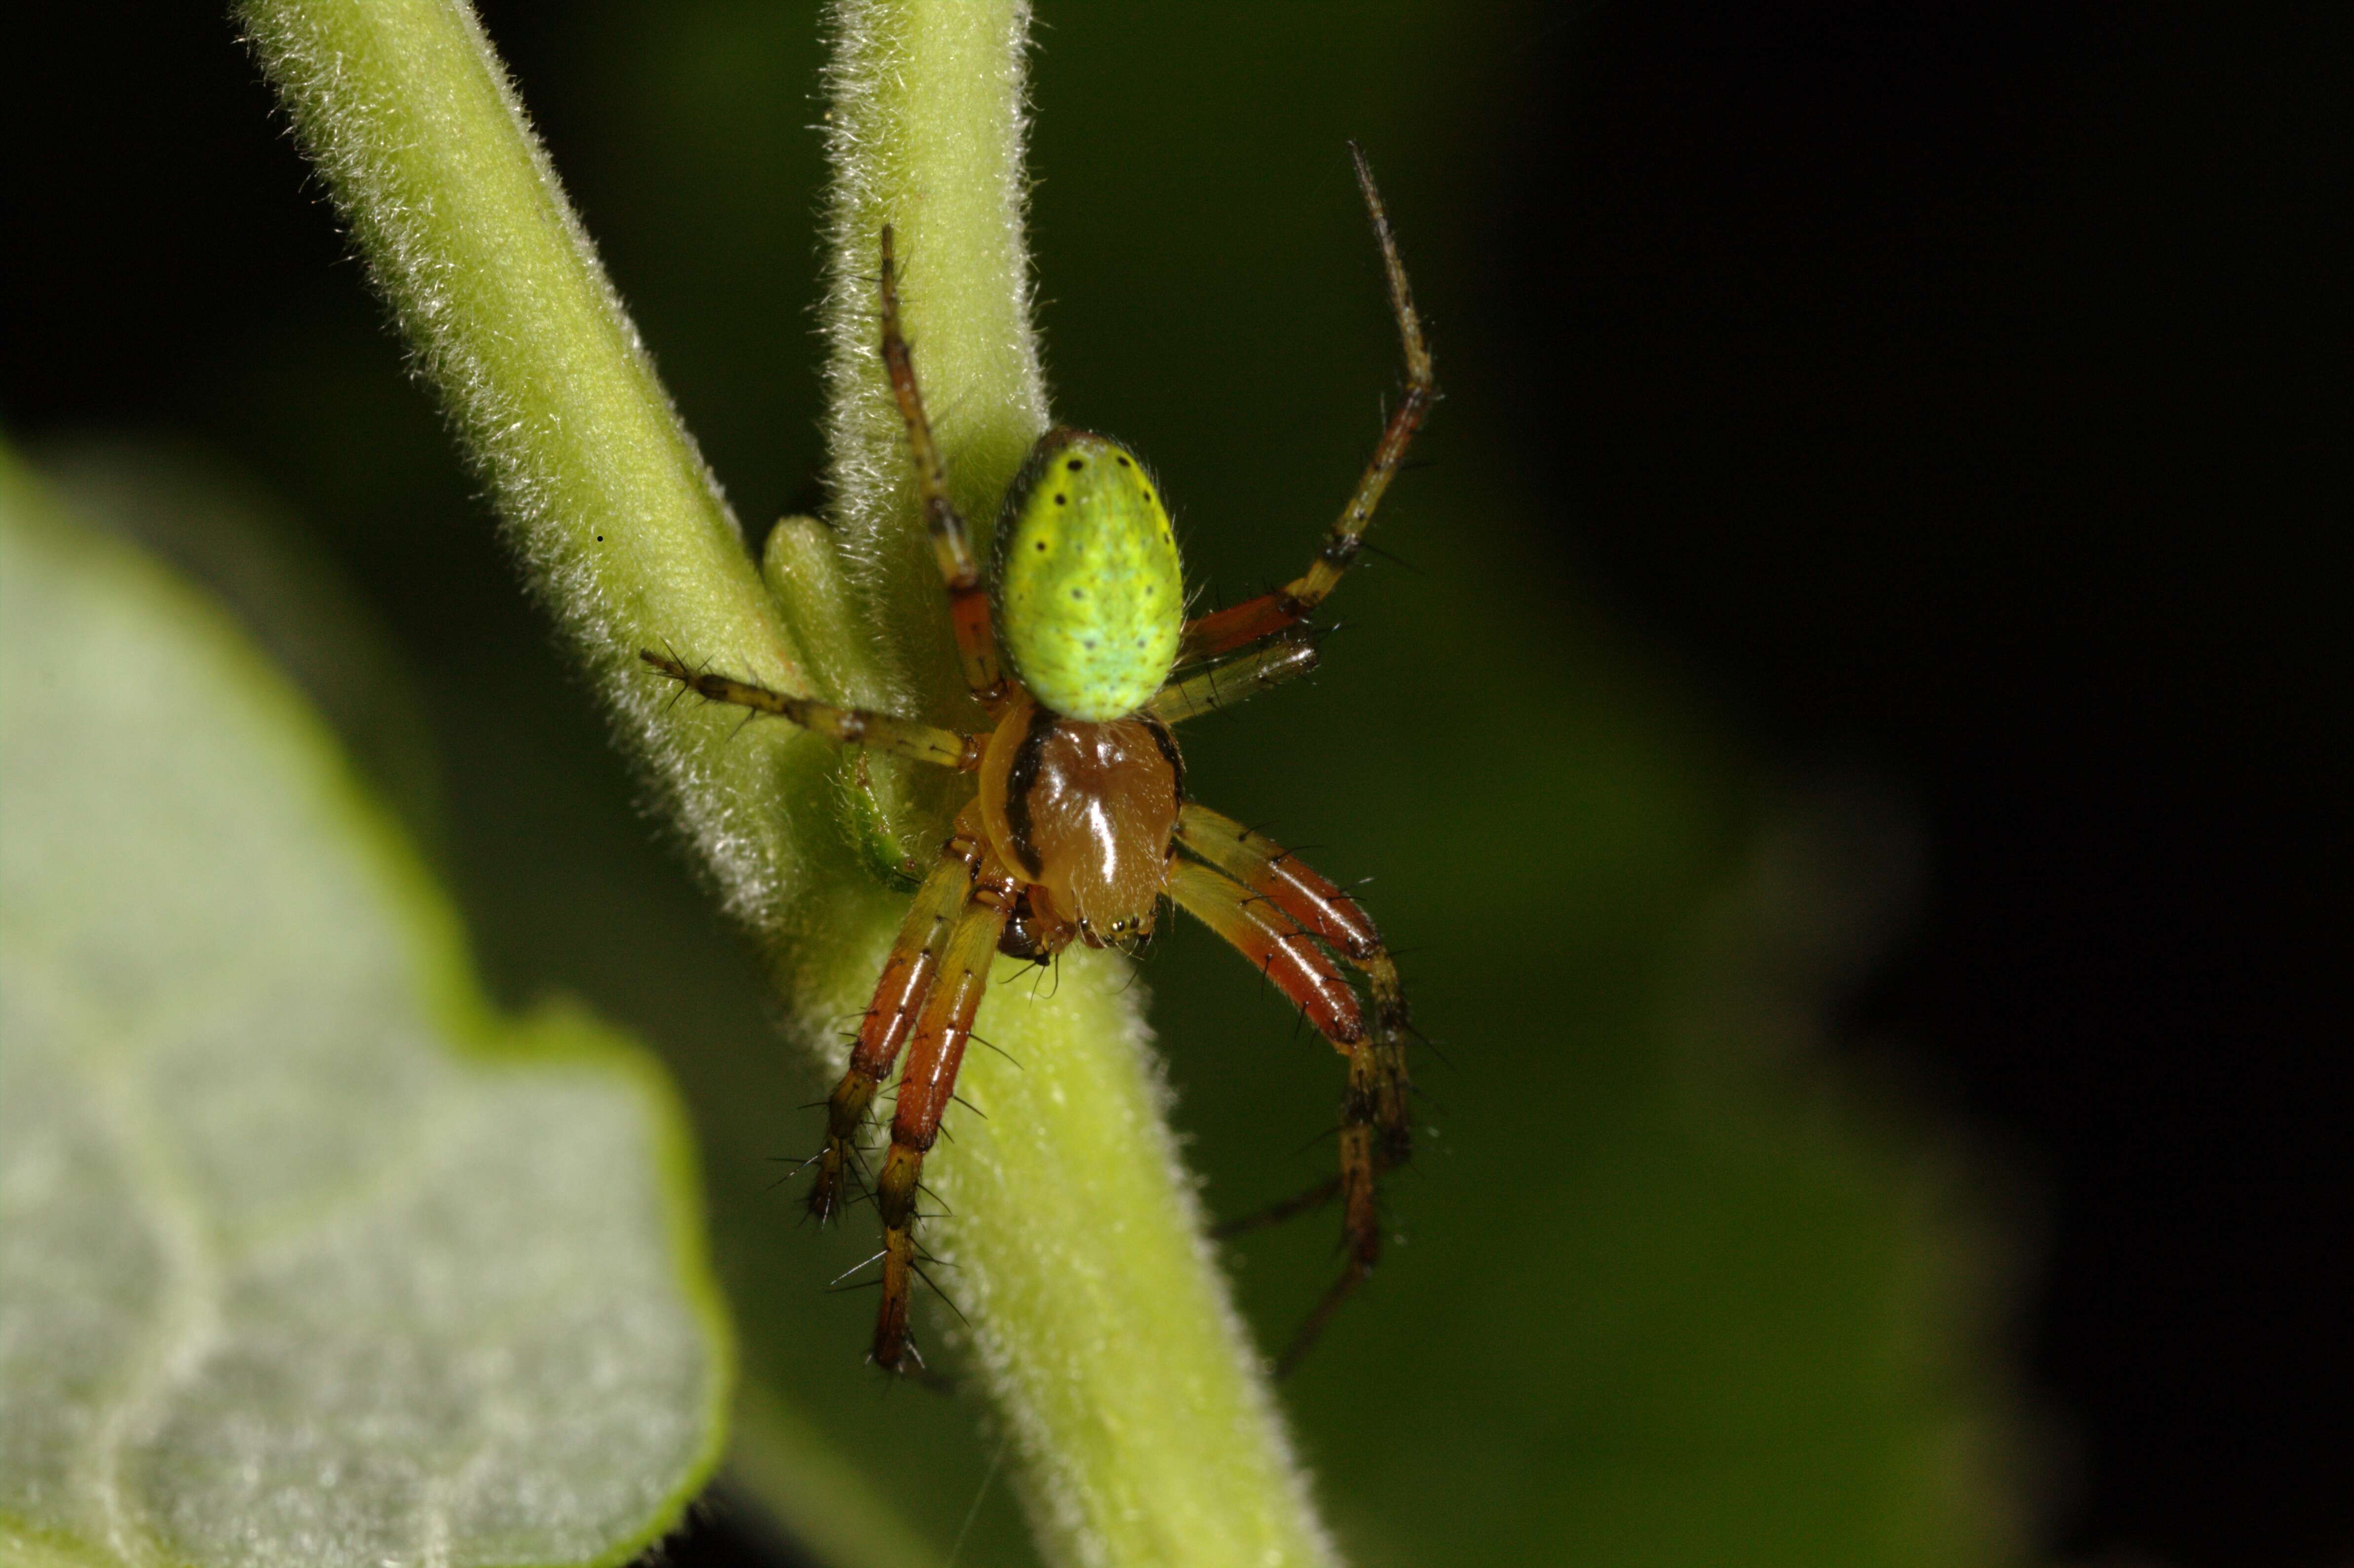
(1318,906)
(1275,912)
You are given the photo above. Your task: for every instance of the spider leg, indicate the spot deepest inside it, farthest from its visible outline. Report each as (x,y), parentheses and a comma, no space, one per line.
(1274,874)
(951,540)
(1246,622)
(1374,1132)
(907,977)
(845,727)
(1284,657)
(1274,1213)
(925,1085)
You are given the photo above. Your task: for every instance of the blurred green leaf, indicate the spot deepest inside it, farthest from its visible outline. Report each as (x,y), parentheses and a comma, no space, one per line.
(305,1255)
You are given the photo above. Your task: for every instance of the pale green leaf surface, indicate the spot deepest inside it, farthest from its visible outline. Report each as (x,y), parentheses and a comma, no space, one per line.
(304,1256)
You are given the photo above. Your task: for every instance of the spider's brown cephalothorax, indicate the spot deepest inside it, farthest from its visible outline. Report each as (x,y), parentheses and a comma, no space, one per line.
(1085,812)
(1078,650)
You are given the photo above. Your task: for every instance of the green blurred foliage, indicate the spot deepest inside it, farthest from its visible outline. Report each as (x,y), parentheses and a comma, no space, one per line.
(310,1258)
(1670,1289)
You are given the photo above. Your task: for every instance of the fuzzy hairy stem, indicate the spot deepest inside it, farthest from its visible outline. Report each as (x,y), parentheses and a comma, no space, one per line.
(405,109)
(925,132)
(1140,1420)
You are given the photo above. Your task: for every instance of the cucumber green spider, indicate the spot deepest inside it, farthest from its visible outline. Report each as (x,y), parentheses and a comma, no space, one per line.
(1077,647)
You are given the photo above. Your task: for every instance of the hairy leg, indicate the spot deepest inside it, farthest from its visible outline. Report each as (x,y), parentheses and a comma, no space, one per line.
(951,540)
(1319,906)
(907,977)
(1247,622)
(925,1085)
(1284,657)
(846,726)
(1287,953)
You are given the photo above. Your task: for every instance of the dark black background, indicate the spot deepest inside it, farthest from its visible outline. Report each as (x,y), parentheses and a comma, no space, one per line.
(2036,317)
(1958,390)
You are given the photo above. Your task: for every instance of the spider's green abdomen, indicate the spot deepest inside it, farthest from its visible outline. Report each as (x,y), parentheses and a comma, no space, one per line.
(1090,593)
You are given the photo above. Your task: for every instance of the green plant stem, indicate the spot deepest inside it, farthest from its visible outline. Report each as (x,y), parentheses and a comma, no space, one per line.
(405,108)
(1142,1428)
(925,132)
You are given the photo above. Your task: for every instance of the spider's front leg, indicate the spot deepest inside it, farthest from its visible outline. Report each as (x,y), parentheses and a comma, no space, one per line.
(925,1087)
(951,540)
(915,741)
(1232,628)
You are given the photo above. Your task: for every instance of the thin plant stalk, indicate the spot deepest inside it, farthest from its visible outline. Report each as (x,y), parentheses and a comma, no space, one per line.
(1141,1428)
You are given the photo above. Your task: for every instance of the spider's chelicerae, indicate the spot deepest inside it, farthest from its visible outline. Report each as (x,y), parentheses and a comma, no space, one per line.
(1077,647)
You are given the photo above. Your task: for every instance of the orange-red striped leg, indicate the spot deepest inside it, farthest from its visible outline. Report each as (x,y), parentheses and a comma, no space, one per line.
(1287,954)
(1311,899)
(907,976)
(1263,617)
(844,726)
(925,1085)
(951,540)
